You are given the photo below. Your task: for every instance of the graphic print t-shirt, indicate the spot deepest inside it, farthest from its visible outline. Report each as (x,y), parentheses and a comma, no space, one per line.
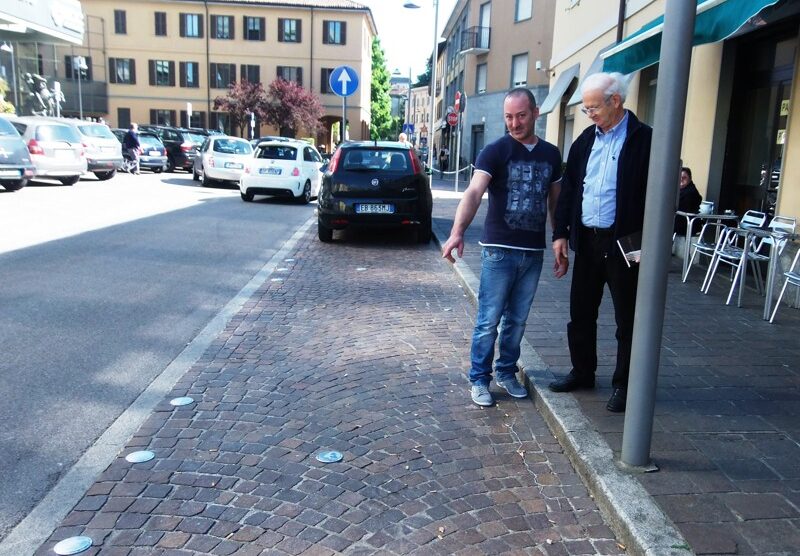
(521,179)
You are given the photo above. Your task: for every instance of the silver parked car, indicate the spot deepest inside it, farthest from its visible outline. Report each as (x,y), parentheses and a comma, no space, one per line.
(56,149)
(222,158)
(103,151)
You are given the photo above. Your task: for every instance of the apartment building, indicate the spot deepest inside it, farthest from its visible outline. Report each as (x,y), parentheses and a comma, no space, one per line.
(165,61)
(491,46)
(738,137)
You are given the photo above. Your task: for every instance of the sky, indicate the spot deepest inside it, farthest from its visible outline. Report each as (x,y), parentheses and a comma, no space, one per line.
(407,34)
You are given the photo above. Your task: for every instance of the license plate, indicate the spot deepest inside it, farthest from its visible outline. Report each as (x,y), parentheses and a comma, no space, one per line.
(108,149)
(368,208)
(234,165)
(10,173)
(65,153)
(271,171)
(154,153)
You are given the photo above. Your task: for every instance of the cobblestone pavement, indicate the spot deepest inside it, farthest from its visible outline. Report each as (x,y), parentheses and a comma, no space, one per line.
(727,420)
(358,346)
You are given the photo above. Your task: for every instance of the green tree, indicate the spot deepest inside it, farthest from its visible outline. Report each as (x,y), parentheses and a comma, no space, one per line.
(424,78)
(243,98)
(380,126)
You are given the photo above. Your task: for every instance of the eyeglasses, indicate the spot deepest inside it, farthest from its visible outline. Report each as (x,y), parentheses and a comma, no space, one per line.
(592,110)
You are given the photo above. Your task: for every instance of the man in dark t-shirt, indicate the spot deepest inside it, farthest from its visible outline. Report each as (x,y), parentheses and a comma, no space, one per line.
(522,174)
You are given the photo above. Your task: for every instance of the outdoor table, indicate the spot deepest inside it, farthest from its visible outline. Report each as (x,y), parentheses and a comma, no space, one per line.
(691,217)
(750,236)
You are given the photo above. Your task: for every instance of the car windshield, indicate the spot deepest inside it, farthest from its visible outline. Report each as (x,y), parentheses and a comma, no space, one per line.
(6,128)
(96,131)
(232,146)
(196,138)
(391,160)
(149,141)
(55,132)
(277,152)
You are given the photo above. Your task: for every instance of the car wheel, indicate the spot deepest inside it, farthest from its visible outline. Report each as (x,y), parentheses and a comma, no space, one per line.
(424,232)
(157,170)
(325,233)
(195,175)
(103,176)
(305,196)
(15,185)
(170,165)
(247,196)
(205,180)
(70,180)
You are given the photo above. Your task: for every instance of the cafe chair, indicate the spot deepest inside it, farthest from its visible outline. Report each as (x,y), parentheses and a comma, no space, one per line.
(705,243)
(792,277)
(786,224)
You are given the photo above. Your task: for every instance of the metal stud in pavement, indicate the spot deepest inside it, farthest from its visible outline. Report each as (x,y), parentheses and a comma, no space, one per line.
(72,545)
(185,400)
(140,456)
(331,456)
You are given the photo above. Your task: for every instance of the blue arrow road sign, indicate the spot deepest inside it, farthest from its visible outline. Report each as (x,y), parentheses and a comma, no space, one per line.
(343,81)
(408,128)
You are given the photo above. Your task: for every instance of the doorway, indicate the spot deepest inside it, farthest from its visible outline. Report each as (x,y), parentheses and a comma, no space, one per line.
(477,142)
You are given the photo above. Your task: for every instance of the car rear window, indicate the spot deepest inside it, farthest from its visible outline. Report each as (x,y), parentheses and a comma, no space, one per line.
(150,140)
(96,131)
(6,128)
(195,138)
(277,152)
(232,146)
(55,132)
(391,160)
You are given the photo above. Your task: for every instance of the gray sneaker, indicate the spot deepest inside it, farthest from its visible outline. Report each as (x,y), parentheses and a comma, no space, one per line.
(481,395)
(513,387)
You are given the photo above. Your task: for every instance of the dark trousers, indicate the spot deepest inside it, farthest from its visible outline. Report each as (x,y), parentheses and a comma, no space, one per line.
(599,262)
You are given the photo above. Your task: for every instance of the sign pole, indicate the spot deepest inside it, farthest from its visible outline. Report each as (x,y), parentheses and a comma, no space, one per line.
(458,150)
(344,120)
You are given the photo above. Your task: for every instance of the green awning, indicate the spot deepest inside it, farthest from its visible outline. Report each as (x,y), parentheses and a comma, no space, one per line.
(716,20)
(557,91)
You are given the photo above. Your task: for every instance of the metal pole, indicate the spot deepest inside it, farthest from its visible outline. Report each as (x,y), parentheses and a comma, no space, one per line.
(77,61)
(662,184)
(344,119)
(434,56)
(14,78)
(458,149)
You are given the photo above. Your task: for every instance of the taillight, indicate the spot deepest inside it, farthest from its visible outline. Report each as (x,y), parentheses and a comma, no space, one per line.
(211,162)
(247,169)
(34,148)
(187,147)
(415,164)
(334,163)
(296,171)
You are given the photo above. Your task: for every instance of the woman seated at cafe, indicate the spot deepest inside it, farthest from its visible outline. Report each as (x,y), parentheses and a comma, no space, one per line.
(688,201)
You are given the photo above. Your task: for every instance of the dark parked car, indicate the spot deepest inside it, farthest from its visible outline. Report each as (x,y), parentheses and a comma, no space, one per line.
(16,167)
(374,184)
(154,154)
(181,144)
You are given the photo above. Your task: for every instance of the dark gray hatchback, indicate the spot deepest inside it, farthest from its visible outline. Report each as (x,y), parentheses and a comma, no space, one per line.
(374,184)
(16,167)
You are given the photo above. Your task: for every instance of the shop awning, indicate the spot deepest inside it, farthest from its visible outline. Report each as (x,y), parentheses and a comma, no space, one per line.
(557,91)
(716,20)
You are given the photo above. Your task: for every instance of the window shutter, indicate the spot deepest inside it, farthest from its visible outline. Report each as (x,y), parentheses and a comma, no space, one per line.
(212,32)
(299,30)
(232,22)
(200,25)
(184,119)
(182,74)
(112,70)
(344,32)
(153,117)
(326,31)
(151,64)
(280,72)
(262,28)
(257,74)
(280,29)
(132,63)
(182,19)
(243,72)
(232,78)
(172,117)
(172,74)
(300,76)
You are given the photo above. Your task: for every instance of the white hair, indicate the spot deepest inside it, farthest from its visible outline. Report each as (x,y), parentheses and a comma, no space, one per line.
(609,83)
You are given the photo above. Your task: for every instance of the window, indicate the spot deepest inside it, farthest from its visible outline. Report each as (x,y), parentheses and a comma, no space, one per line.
(291,73)
(334,32)
(250,73)
(122,71)
(222,75)
(222,27)
(71,70)
(325,81)
(191,25)
(219,121)
(198,119)
(161,24)
(190,74)
(255,28)
(480,79)
(120,22)
(524,10)
(162,117)
(289,30)
(519,70)
(162,73)
(124,118)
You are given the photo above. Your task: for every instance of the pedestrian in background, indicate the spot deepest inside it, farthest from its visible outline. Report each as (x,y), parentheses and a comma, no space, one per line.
(689,200)
(602,200)
(403,138)
(522,174)
(444,158)
(131,145)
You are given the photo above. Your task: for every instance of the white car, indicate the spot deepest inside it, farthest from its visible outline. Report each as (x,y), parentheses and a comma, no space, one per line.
(283,168)
(56,149)
(221,158)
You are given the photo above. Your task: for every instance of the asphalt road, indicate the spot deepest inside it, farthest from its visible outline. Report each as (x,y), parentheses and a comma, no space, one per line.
(103,284)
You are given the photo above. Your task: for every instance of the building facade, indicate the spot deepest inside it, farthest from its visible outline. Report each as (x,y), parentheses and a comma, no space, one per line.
(491,46)
(165,61)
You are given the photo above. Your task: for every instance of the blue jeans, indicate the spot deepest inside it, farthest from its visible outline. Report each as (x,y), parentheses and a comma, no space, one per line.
(509,278)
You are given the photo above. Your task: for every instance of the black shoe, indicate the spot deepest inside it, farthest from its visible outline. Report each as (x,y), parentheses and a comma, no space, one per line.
(616,403)
(570,383)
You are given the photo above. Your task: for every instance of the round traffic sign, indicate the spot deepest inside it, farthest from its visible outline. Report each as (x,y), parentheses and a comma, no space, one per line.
(452,118)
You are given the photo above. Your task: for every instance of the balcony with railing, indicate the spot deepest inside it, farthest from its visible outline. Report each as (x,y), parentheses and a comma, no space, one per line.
(475,40)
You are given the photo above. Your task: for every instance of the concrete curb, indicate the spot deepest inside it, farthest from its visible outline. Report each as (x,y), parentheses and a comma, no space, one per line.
(635,518)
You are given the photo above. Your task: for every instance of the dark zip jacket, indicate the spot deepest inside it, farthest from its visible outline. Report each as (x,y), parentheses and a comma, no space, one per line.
(631,183)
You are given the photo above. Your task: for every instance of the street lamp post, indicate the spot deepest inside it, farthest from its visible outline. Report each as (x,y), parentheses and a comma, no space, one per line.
(10,49)
(432,116)
(79,64)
